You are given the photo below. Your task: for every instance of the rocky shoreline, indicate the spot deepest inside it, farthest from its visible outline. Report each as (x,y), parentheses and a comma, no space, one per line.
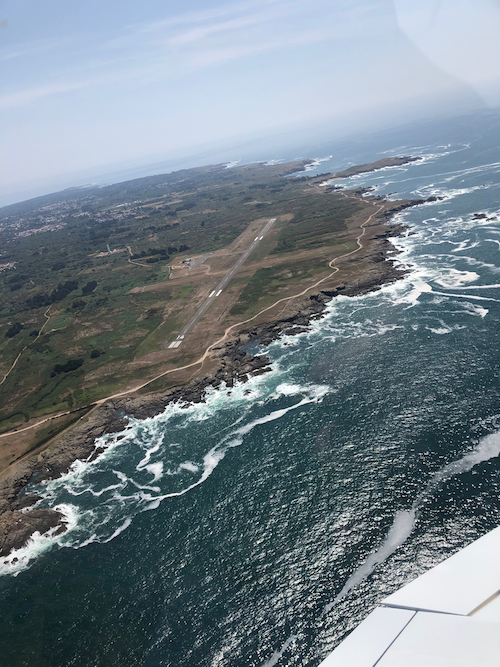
(234,365)
(374,166)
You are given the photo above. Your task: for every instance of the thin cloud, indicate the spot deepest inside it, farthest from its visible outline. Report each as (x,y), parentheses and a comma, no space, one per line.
(33,94)
(34,48)
(197,41)
(190,18)
(198,34)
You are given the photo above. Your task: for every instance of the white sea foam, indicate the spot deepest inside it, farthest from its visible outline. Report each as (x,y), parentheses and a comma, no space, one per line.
(467,287)
(399,532)
(117,500)
(443,329)
(453,259)
(190,466)
(79,492)
(472,261)
(440,330)
(412,297)
(20,559)
(235,439)
(128,480)
(398,293)
(339,319)
(119,530)
(153,505)
(316,394)
(404,521)
(481,169)
(155,469)
(276,656)
(85,543)
(475,310)
(288,389)
(444,193)
(149,452)
(467,296)
(432,156)
(316,162)
(456,278)
(465,245)
(228,165)
(109,443)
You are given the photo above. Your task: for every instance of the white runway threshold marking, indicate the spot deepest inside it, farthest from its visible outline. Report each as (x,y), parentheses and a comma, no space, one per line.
(218,292)
(211,294)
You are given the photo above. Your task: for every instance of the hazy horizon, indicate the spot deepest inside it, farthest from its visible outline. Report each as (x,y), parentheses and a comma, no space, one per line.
(283,146)
(92,90)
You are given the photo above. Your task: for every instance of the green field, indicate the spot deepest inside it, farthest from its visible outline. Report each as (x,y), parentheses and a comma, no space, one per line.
(267,282)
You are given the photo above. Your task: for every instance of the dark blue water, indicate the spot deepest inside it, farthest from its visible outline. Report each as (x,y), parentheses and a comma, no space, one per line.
(259,528)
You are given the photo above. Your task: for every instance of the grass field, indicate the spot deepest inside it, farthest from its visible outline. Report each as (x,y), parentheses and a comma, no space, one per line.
(269,281)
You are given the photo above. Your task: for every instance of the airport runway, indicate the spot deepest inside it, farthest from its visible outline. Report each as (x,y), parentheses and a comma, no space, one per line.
(216,292)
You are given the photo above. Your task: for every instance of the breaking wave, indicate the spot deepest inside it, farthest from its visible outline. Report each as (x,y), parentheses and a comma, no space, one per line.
(151,462)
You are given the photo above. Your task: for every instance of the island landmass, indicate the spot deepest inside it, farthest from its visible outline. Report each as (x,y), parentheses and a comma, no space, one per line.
(97,285)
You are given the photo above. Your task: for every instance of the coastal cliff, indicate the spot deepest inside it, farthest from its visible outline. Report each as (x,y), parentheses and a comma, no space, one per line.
(18,522)
(230,363)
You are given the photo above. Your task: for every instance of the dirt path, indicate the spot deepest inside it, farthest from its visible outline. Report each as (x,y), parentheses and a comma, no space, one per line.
(220,340)
(138,263)
(26,346)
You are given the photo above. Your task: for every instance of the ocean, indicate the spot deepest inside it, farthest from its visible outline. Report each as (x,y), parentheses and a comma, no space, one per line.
(260,527)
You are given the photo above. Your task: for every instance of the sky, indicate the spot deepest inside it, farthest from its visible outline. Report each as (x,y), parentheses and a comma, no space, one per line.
(95,86)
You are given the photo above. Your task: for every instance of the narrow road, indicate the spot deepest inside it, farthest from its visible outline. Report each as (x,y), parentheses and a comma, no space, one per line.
(26,346)
(187,328)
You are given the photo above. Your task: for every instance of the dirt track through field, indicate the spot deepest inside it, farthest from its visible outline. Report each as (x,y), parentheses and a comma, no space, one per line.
(26,346)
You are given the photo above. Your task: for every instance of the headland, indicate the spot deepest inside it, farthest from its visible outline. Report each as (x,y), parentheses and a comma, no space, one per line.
(84,353)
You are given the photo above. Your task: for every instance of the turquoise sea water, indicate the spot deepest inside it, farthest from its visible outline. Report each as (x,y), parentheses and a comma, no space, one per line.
(259,528)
